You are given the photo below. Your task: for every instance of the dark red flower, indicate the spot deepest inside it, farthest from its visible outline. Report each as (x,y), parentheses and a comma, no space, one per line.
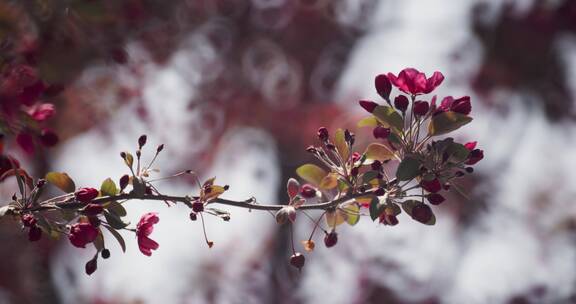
(435,198)
(307,191)
(368,105)
(432,186)
(91,266)
(323,134)
(86,195)
(381,132)
(383,86)
(331,239)
(82,234)
(421,108)
(297,260)
(401,103)
(124,181)
(143,230)
(93,209)
(461,105)
(475,156)
(414,82)
(28,220)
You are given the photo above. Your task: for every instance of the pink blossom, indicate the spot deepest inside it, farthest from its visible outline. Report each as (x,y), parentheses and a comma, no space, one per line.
(41,111)
(414,82)
(82,234)
(143,230)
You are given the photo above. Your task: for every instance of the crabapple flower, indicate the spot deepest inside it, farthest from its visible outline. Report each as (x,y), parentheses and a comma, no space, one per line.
(82,234)
(383,86)
(461,105)
(41,111)
(414,82)
(401,103)
(475,155)
(143,230)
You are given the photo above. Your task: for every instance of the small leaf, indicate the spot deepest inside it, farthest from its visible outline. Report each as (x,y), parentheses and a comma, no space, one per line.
(129,160)
(369,176)
(114,220)
(309,245)
(61,180)
(368,122)
(99,241)
(389,117)
(118,238)
(408,205)
(335,218)
(330,181)
(447,122)
(108,188)
(408,169)
(311,173)
(375,208)
(293,187)
(341,145)
(116,208)
(379,152)
(352,214)
(457,152)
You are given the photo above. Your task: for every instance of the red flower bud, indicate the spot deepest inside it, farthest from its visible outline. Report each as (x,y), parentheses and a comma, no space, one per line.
(401,103)
(381,132)
(141,141)
(383,86)
(422,213)
(323,134)
(48,138)
(368,105)
(82,234)
(307,191)
(432,186)
(91,266)
(124,181)
(356,157)
(193,216)
(435,198)
(86,195)
(93,209)
(197,206)
(388,219)
(474,157)
(462,105)
(28,220)
(34,234)
(331,239)
(421,108)
(297,260)
(105,253)
(471,145)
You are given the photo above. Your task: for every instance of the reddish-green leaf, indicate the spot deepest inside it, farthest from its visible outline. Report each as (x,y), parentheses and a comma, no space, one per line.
(447,122)
(368,122)
(340,143)
(311,173)
(118,238)
(108,188)
(61,180)
(379,152)
(389,117)
(408,169)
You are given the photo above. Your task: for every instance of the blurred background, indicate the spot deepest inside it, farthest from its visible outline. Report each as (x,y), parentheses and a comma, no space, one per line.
(237,89)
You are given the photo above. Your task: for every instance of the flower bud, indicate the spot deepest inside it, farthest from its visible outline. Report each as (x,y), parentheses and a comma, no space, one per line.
(197,206)
(28,220)
(160,148)
(383,86)
(368,105)
(193,216)
(474,157)
(93,209)
(105,253)
(141,141)
(82,234)
(401,103)
(421,108)
(356,157)
(297,260)
(48,138)
(323,134)
(40,183)
(34,234)
(86,195)
(388,219)
(308,191)
(331,239)
(469,170)
(381,132)
(376,166)
(124,180)
(435,198)
(91,266)
(432,186)
(287,213)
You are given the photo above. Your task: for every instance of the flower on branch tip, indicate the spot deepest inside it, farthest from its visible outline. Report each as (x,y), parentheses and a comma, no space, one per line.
(414,82)
(475,155)
(143,230)
(86,195)
(461,105)
(82,234)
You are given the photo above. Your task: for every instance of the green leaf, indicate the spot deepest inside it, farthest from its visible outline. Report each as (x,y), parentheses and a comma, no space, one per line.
(118,238)
(108,188)
(375,208)
(114,220)
(408,205)
(311,173)
(99,241)
(129,160)
(379,152)
(330,181)
(352,214)
(335,218)
(458,153)
(61,180)
(341,145)
(447,122)
(389,117)
(116,208)
(408,169)
(368,176)
(368,122)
